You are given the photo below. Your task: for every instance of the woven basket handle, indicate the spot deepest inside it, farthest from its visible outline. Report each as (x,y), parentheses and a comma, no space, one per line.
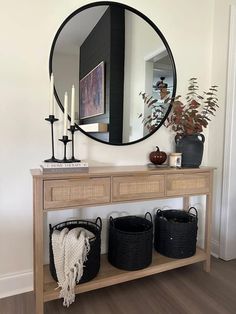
(196,213)
(178,138)
(150,216)
(111,221)
(159,212)
(98,221)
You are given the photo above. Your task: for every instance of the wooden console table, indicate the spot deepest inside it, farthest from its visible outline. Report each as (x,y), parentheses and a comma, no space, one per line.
(107,185)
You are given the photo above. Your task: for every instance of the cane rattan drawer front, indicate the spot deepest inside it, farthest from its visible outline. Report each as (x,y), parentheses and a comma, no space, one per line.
(76,192)
(187,184)
(127,188)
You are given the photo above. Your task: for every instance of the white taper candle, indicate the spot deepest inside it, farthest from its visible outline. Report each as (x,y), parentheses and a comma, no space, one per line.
(65,114)
(51,99)
(73,105)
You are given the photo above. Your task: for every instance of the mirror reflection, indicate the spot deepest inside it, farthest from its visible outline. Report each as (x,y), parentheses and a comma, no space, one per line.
(111,55)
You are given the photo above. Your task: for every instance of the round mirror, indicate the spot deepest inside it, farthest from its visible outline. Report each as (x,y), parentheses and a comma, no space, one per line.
(122,69)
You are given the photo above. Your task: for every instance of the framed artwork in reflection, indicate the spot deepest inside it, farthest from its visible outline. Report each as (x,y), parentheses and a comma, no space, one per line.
(92,93)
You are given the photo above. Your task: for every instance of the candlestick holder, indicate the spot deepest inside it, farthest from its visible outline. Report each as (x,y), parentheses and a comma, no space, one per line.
(73,129)
(65,141)
(51,118)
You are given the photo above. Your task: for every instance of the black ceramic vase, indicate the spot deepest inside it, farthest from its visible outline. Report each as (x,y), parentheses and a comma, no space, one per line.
(191,147)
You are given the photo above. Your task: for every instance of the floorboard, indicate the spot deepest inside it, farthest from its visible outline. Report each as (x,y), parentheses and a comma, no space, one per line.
(187,290)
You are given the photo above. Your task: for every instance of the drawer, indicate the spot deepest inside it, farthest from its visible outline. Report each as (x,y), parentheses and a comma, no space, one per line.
(76,192)
(187,184)
(125,188)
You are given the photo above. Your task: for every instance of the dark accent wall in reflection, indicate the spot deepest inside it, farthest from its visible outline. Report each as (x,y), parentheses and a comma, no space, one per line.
(106,43)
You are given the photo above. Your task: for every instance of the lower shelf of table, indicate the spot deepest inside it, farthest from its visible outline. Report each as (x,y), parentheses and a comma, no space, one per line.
(109,275)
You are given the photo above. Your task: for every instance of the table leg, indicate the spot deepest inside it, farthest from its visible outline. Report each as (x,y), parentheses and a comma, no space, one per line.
(38,246)
(208,223)
(186,203)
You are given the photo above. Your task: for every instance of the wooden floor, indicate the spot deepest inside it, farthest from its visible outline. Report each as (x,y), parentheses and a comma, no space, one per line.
(187,290)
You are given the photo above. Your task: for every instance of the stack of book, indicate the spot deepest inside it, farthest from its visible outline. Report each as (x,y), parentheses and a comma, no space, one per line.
(53,167)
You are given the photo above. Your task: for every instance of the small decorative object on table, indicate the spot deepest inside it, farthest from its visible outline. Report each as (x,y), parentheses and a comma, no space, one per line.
(175,160)
(72,128)
(51,118)
(189,120)
(61,167)
(157,157)
(65,140)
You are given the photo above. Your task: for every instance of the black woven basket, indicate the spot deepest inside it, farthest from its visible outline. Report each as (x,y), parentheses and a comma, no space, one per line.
(92,265)
(130,242)
(176,233)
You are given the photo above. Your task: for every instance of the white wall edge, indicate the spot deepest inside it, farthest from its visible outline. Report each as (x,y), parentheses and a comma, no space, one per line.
(230,99)
(16,283)
(215,248)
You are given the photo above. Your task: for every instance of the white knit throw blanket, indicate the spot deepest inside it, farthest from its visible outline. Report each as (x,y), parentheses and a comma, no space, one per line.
(70,249)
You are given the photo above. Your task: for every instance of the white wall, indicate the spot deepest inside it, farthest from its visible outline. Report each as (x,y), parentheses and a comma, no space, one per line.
(26,31)
(66,67)
(141,41)
(216,130)
(228,212)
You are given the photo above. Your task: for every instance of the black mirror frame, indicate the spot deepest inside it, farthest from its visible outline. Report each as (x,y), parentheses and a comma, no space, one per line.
(99,3)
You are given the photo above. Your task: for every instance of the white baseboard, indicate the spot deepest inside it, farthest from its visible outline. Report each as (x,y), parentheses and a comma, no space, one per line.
(16,283)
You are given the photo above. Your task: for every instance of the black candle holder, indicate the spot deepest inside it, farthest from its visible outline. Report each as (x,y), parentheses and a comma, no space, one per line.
(65,140)
(52,119)
(73,129)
